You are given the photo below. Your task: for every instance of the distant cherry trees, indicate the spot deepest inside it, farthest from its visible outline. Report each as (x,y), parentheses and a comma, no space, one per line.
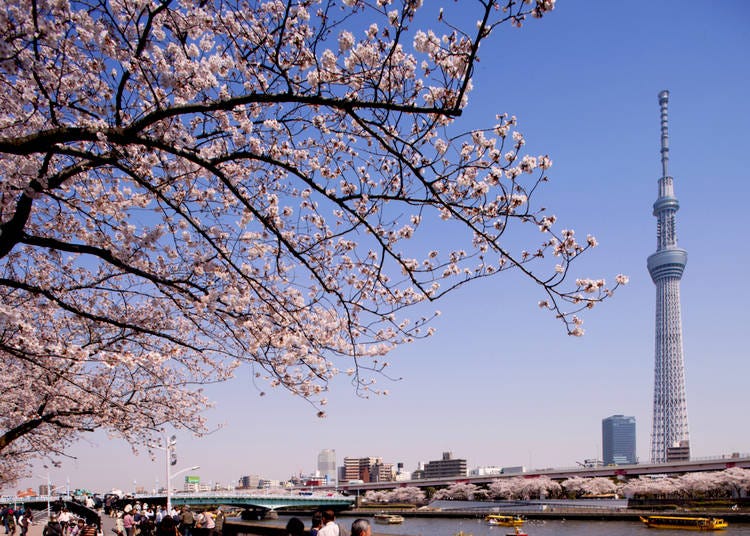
(580,487)
(732,482)
(400,495)
(187,187)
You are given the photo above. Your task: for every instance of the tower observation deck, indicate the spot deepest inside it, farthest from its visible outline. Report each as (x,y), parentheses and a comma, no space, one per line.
(670,422)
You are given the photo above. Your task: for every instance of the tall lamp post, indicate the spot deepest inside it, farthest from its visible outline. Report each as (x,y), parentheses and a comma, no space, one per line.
(169,484)
(49,491)
(170,459)
(170,456)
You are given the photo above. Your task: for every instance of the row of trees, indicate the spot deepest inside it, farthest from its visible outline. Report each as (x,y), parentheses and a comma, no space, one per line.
(733,482)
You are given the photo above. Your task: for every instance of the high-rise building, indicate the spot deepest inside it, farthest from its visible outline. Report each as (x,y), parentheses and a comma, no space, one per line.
(327,464)
(670,422)
(361,469)
(618,440)
(249,481)
(445,468)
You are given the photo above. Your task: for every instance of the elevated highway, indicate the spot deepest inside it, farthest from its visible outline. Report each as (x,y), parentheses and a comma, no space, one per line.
(329,497)
(621,471)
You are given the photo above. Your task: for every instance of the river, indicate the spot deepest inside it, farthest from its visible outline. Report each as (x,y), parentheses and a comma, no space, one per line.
(477,527)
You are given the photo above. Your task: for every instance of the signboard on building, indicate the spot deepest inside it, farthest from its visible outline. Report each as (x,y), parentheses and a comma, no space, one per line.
(192,479)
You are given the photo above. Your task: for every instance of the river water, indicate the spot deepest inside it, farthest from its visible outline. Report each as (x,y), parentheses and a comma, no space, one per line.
(478,527)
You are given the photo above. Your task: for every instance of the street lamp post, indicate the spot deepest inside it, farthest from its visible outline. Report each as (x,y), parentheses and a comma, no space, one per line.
(170,459)
(49,491)
(169,484)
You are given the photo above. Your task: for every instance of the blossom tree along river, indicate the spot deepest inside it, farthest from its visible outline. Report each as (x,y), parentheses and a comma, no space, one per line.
(190,186)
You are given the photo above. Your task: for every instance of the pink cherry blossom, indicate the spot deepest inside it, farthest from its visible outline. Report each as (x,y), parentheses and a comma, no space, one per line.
(193,187)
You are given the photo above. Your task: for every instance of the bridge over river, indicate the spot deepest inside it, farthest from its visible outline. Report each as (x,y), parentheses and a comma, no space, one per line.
(253,501)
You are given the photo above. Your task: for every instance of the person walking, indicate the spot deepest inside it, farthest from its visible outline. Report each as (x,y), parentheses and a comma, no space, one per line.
(219,522)
(52,528)
(187,521)
(26,520)
(12,524)
(128,523)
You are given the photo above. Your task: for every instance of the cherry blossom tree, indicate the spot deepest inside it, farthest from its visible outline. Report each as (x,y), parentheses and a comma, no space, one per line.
(579,486)
(405,494)
(523,488)
(501,488)
(536,488)
(187,187)
(736,481)
(458,491)
(645,486)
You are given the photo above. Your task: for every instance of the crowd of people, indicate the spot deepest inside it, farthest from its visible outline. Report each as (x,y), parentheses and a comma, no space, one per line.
(13,520)
(324,524)
(142,520)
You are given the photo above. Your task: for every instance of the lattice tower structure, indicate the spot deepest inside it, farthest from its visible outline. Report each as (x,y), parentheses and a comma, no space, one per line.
(670,420)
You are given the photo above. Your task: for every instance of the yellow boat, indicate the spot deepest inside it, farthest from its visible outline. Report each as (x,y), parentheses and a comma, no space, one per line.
(682,522)
(504,521)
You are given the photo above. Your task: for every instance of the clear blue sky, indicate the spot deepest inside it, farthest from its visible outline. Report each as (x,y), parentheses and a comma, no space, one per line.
(501,383)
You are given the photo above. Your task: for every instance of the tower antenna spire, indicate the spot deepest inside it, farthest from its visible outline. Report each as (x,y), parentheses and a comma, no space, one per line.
(663,103)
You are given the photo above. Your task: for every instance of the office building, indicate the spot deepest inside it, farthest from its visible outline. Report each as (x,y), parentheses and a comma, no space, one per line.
(327,465)
(445,468)
(618,440)
(361,468)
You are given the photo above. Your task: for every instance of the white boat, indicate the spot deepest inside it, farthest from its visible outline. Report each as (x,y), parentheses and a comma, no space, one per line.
(388,519)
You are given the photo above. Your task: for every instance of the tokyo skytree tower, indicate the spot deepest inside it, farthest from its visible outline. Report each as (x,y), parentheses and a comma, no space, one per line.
(670,422)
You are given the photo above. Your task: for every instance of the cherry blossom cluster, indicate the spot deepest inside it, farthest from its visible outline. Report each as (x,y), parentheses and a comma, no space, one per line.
(190,187)
(732,482)
(400,495)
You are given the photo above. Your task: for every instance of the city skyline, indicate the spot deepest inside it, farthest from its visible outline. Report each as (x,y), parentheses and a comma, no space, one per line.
(501,383)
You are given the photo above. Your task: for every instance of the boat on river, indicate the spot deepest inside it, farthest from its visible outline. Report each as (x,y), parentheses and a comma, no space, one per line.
(504,521)
(388,519)
(683,522)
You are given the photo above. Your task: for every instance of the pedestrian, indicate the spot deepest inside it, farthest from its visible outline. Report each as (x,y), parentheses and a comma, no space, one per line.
(65,518)
(295,527)
(119,525)
(161,513)
(4,514)
(167,527)
(77,527)
(128,523)
(12,524)
(199,527)
(317,522)
(187,521)
(146,526)
(219,522)
(361,527)
(26,520)
(52,528)
(210,523)
(329,528)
